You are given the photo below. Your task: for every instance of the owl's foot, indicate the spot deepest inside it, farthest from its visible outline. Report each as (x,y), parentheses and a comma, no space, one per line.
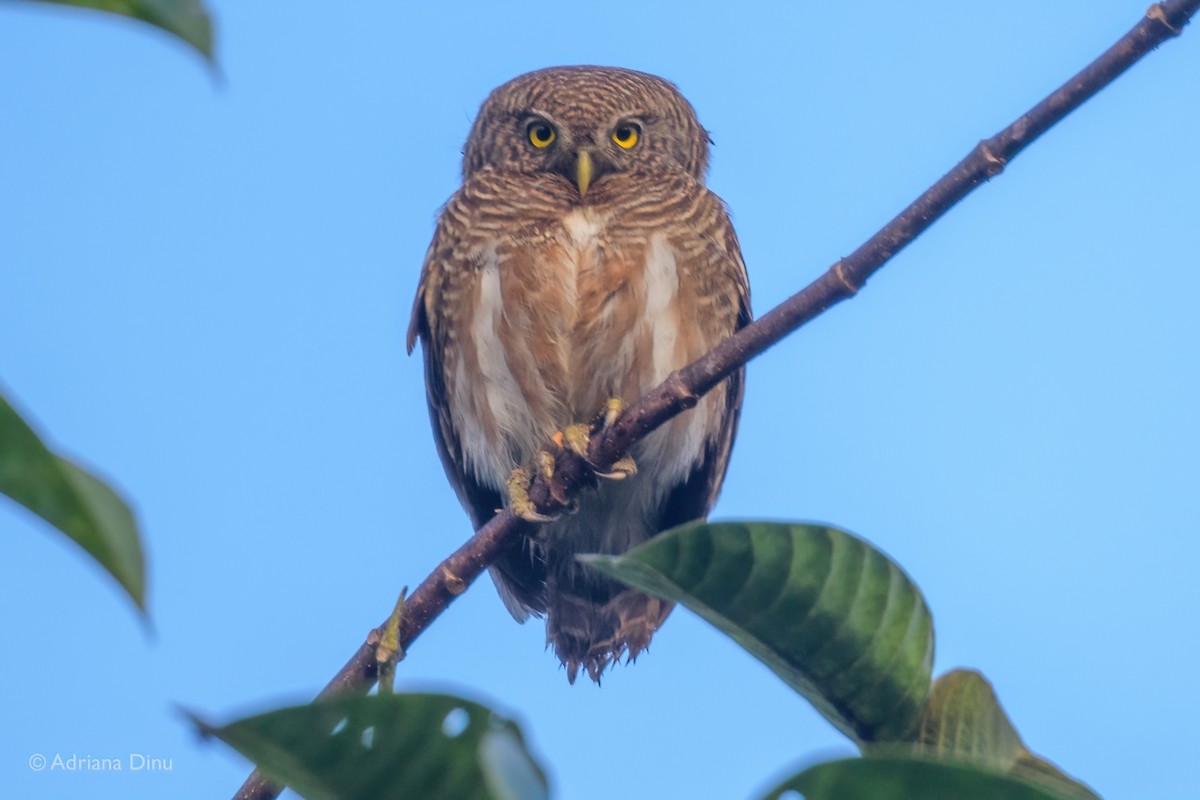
(578,439)
(519,482)
(570,457)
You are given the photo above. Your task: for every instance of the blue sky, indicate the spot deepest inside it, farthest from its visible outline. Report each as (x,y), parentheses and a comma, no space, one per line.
(203,294)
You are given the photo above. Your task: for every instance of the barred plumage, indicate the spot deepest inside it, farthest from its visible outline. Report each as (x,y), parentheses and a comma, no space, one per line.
(560,275)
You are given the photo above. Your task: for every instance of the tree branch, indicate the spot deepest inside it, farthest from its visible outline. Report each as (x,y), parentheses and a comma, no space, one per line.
(685,386)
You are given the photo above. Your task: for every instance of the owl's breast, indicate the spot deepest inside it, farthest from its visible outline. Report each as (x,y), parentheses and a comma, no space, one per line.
(620,330)
(561,320)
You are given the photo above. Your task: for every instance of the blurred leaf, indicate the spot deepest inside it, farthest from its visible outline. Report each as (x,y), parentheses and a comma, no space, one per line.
(70,499)
(832,616)
(963,719)
(898,778)
(389,746)
(1040,772)
(186,19)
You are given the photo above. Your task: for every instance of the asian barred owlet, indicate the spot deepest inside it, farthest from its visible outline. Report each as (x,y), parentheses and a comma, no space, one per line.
(582,259)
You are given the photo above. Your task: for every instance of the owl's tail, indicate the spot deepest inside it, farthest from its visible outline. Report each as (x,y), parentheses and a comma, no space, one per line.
(593,623)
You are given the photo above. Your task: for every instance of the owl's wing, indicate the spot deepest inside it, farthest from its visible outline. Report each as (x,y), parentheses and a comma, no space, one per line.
(479,501)
(695,497)
(445,276)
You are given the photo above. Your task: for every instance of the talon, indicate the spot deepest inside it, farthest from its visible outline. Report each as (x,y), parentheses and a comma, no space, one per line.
(545,465)
(612,409)
(518,497)
(622,468)
(625,466)
(577,438)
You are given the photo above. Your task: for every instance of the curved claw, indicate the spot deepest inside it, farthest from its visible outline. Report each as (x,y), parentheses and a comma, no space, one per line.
(614,408)
(622,468)
(577,438)
(518,497)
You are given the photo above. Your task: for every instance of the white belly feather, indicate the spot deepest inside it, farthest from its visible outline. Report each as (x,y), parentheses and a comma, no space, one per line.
(623,513)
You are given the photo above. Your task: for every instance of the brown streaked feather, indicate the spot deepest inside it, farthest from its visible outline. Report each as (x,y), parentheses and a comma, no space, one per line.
(695,497)
(536,305)
(593,621)
(518,572)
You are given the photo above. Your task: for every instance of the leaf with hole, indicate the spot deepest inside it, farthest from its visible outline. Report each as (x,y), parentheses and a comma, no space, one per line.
(186,19)
(830,614)
(72,500)
(389,746)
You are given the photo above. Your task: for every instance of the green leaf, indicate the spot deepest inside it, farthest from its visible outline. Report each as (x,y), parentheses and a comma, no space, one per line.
(186,19)
(72,500)
(963,719)
(832,616)
(389,746)
(899,778)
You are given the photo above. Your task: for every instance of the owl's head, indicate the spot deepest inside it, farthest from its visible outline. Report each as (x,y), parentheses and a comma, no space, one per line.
(585,123)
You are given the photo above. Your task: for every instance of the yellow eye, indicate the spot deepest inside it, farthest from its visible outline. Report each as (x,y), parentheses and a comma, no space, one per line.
(626,135)
(541,134)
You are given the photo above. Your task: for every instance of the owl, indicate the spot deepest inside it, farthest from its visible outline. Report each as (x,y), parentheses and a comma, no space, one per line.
(583,259)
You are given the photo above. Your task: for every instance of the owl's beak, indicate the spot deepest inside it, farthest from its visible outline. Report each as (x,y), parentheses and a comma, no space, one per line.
(583,171)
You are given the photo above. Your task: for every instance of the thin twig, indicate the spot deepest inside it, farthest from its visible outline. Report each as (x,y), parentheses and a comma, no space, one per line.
(682,389)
